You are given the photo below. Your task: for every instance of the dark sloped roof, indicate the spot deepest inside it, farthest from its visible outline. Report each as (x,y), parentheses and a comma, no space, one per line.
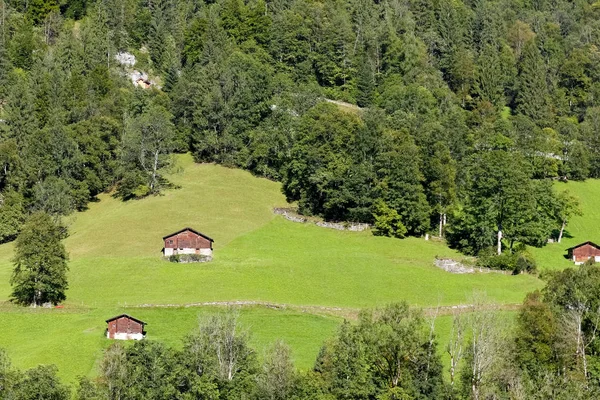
(127,316)
(188,229)
(583,244)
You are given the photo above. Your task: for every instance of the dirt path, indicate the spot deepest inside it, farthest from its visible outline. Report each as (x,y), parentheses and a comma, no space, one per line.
(348,106)
(350,313)
(342,312)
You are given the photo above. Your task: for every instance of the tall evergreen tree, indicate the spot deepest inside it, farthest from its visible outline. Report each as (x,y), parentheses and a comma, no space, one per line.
(5,66)
(20,116)
(532,89)
(488,81)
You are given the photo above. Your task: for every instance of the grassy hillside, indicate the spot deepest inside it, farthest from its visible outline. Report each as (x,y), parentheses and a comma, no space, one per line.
(580,228)
(74,340)
(116,263)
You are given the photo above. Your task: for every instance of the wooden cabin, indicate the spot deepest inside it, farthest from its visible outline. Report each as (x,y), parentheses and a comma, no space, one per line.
(125,327)
(187,241)
(144,84)
(583,252)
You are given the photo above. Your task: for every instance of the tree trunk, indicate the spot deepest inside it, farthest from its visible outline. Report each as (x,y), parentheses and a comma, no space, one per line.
(441,224)
(154,171)
(581,344)
(499,242)
(35,293)
(431,347)
(562,230)
(475,391)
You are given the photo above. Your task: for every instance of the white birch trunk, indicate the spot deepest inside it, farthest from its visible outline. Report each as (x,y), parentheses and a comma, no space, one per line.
(562,229)
(154,170)
(499,242)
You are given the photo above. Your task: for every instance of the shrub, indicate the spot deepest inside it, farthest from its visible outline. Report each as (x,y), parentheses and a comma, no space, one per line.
(388,221)
(132,186)
(525,263)
(518,261)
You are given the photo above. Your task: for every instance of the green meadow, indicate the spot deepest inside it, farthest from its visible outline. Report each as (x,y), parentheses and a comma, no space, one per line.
(580,228)
(74,339)
(306,270)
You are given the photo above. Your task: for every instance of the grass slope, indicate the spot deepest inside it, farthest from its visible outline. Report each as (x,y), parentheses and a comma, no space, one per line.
(74,340)
(115,263)
(284,262)
(580,228)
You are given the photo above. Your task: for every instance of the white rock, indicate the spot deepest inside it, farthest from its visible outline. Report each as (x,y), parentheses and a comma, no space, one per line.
(125,58)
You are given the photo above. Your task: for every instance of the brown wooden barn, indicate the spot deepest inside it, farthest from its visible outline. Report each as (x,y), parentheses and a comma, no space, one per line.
(583,252)
(187,241)
(125,327)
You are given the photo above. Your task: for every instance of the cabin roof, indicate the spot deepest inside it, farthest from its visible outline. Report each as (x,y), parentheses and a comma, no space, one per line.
(188,229)
(583,244)
(127,316)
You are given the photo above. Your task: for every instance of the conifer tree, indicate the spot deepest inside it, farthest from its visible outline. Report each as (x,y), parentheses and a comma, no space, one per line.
(171,78)
(488,83)
(23,43)
(37,10)
(20,118)
(5,67)
(12,215)
(532,96)
(365,83)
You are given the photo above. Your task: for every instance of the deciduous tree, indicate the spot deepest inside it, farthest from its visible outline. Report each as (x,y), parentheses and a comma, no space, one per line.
(567,206)
(148,144)
(40,274)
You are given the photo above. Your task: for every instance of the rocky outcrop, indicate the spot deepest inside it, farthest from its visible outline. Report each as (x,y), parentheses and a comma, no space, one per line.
(125,59)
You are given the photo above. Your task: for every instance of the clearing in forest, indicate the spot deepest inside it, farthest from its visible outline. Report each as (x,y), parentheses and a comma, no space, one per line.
(116,264)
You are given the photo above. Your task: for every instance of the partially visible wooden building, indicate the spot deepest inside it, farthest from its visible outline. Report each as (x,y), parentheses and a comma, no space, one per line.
(583,252)
(125,327)
(187,241)
(143,83)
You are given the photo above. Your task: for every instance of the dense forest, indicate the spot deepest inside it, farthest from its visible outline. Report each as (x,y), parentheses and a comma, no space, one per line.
(462,112)
(447,117)
(551,351)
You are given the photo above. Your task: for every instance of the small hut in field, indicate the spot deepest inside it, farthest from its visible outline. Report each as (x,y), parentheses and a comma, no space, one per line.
(125,327)
(583,252)
(187,241)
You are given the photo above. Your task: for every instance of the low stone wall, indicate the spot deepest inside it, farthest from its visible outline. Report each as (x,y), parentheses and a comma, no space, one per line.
(452,266)
(351,226)
(455,267)
(291,215)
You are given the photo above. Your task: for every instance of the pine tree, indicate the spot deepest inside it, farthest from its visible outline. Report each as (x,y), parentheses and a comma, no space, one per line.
(95,37)
(365,83)
(37,10)
(488,77)
(12,215)
(23,43)
(40,274)
(5,68)
(19,109)
(171,78)
(532,96)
